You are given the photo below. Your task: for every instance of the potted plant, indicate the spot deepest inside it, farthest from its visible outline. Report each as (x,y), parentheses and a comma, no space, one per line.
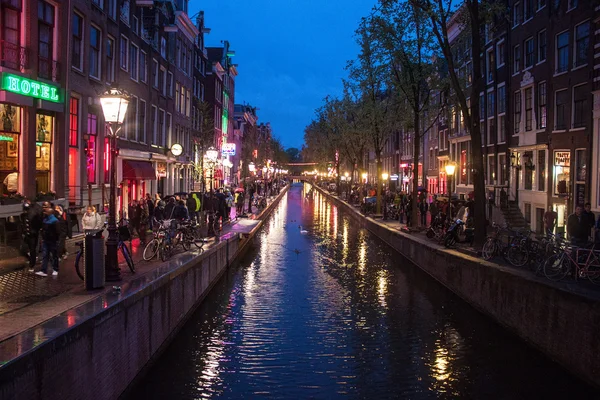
(43,196)
(15,198)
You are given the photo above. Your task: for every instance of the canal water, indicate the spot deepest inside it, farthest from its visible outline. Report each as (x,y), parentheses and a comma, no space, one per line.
(329,311)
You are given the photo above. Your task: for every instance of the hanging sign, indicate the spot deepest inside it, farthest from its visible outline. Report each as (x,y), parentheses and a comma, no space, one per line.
(562,158)
(228,149)
(394,177)
(29,87)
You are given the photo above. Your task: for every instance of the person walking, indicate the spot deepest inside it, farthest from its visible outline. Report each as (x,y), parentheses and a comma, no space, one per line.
(50,238)
(423,211)
(228,204)
(550,217)
(64,231)
(143,224)
(191,207)
(91,220)
(150,204)
(32,218)
(577,227)
(589,217)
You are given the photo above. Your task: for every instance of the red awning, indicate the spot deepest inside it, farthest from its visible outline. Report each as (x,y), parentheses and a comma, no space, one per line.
(138,170)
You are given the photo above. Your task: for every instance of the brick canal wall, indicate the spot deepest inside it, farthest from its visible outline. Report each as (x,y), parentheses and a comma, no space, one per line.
(563,325)
(99,358)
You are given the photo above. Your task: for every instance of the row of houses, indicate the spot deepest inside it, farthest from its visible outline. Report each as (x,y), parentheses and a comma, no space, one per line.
(57,57)
(539,113)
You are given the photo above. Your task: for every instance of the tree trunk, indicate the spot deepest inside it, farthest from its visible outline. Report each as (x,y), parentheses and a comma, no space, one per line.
(379,181)
(416,150)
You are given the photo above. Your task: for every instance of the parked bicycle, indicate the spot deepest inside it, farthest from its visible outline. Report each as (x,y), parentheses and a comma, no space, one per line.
(579,262)
(121,247)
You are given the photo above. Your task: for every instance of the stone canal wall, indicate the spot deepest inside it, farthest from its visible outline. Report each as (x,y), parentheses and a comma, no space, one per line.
(100,357)
(562,324)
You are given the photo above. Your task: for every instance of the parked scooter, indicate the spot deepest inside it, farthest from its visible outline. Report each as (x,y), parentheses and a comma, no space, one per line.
(456,234)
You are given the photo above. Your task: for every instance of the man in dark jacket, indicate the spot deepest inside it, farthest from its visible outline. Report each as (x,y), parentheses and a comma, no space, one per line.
(191,207)
(64,230)
(221,205)
(50,238)
(180,211)
(170,208)
(32,223)
(159,211)
(150,203)
(577,227)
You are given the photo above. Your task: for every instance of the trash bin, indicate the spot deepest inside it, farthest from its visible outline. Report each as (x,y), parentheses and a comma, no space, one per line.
(93,256)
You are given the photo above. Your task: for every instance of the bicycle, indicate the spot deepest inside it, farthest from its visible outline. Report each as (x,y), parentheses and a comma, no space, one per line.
(585,264)
(121,246)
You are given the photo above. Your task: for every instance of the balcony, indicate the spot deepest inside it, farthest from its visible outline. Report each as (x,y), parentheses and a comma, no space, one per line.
(13,56)
(48,69)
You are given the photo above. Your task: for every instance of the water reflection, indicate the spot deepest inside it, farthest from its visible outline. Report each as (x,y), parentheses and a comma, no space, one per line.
(345,317)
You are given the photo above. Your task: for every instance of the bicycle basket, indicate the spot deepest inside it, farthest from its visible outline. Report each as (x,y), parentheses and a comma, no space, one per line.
(124,234)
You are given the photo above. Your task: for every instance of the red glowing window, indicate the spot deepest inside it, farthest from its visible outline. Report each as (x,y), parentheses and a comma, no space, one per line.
(91,147)
(73,121)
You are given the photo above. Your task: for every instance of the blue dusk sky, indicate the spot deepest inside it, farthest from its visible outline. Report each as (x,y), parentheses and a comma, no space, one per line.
(290,54)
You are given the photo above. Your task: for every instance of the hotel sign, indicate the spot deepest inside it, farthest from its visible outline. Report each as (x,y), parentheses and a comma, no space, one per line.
(228,149)
(29,87)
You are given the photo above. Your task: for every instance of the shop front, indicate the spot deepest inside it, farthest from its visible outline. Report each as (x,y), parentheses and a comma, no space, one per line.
(569,172)
(136,180)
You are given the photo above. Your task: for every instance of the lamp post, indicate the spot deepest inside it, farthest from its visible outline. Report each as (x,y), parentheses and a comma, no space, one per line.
(450,169)
(211,157)
(365,176)
(114,106)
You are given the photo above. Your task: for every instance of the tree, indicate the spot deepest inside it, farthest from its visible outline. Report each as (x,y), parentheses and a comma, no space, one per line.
(376,99)
(403,41)
(203,139)
(293,154)
(470,20)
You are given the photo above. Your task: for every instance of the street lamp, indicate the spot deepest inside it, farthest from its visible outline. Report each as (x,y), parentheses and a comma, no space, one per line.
(450,168)
(251,167)
(364,176)
(211,158)
(114,106)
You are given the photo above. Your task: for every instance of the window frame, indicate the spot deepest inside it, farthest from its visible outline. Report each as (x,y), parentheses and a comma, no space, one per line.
(142,70)
(500,53)
(81,39)
(585,115)
(111,60)
(575,47)
(134,72)
(558,127)
(557,50)
(99,59)
(529,55)
(517,111)
(516,59)
(539,46)
(126,57)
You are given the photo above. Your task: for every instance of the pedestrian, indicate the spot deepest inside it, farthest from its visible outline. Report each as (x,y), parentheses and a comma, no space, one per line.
(190,203)
(550,217)
(134,217)
(159,212)
(50,238)
(32,218)
(577,227)
(91,220)
(150,204)
(143,224)
(423,211)
(228,204)
(408,210)
(589,217)
(433,210)
(180,211)
(170,207)
(157,199)
(64,231)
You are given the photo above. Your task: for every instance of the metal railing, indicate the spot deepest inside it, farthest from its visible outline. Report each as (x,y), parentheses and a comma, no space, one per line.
(48,69)
(13,56)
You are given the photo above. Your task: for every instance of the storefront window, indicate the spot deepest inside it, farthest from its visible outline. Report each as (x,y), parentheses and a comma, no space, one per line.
(541,171)
(463,165)
(528,170)
(91,147)
(44,135)
(10,127)
(562,171)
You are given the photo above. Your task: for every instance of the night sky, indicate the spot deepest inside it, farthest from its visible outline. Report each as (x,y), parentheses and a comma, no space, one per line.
(290,54)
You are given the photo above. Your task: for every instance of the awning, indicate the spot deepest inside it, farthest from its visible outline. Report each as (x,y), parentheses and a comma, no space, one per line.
(138,170)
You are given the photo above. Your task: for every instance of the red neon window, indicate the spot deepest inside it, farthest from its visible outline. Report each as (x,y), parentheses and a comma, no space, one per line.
(73,121)
(91,148)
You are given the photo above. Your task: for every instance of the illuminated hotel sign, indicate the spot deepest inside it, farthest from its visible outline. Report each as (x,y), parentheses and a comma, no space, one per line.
(29,87)
(228,149)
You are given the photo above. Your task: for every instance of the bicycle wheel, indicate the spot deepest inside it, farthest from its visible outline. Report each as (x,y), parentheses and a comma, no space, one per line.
(196,239)
(78,264)
(518,255)
(489,249)
(185,241)
(150,250)
(556,267)
(127,257)
(164,251)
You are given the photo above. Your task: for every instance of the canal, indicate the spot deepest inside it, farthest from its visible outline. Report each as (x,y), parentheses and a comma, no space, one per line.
(329,311)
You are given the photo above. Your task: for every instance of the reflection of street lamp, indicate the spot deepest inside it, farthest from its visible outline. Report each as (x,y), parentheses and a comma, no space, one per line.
(114,106)
(211,158)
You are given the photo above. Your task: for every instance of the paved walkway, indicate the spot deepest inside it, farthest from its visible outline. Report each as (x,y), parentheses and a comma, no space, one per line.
(26,299)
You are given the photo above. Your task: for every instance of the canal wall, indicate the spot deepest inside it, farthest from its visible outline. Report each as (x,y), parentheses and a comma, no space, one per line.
(563,325)
(99,358)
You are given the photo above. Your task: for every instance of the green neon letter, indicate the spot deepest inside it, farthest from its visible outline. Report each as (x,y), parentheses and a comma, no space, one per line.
(13,84)
(36,88)
(53,94)
(45,92)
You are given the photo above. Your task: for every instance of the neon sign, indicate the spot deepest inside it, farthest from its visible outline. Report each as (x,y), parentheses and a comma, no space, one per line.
(29,87)
(4,138)
(228,149)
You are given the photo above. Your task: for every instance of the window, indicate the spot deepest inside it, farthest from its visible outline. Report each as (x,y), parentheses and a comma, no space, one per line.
(562,52)
(501,49)
(562,98)
(502,168)
(491,104)
(112,9)
(163,77)
(572,4)
(92,131)
(541,170)
(110,60)
(491,169)
(542,109)
(528,9)
(124,53)
(133,62)
(98,3)
(582,44)
(169,130)
(135,25)
(131,119)
(542,46)
(153,121)
(170,84)
(562,171)
(502,129)
(528,172)
(10,31)
(141,131)
(95,40)
(501,99)
(73,121)
(528,109)
(155,73)
(143,67)
(527,213)
(541,4)
(517,111)
(163,47)
(581,110)
(491,130)
(516,14)
(529,53)
(481,106)
(187,103)
(77,42)
(45,43)
(182,99)
(161,129)
(491,63)
(177,96)
(516,59)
